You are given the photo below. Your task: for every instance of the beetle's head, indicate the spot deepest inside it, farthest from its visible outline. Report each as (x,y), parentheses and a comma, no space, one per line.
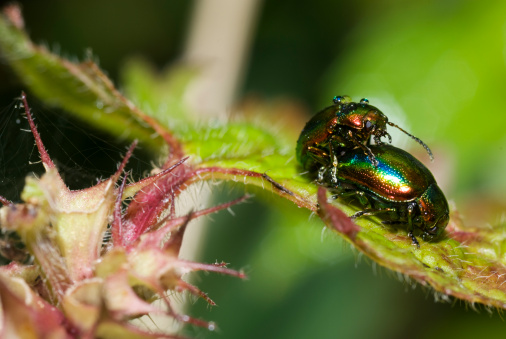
(434,212)
(375,124)
(367,120)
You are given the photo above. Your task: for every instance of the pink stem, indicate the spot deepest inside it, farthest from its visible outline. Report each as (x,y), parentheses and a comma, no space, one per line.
(219,268)
(195,291)
(44,156)
(127,156)
(5,201)
(117,223)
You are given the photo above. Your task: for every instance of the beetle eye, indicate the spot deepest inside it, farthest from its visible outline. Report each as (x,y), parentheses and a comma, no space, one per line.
(368,124)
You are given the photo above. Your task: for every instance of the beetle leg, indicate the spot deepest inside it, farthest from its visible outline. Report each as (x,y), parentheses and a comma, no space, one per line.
(321,178)
(360,195)
(366,149)
(321,173)
(377,140)
(411,209)
(389,137)
(413,239)
(333,175)
(385,133)
(369,212)
(333,171)
(333,157)
(369,154)
(317,154)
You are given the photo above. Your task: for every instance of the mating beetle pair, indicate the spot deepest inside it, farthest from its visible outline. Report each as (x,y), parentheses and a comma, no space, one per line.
(344,125)
(336,146)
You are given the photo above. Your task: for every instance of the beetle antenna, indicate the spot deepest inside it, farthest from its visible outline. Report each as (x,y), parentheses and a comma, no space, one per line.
(416,139)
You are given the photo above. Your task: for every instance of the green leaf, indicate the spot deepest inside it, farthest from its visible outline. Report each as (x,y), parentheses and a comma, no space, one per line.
(467,263)
(159,93)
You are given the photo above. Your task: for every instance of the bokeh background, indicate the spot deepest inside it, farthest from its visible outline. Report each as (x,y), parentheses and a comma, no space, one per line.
(436,68)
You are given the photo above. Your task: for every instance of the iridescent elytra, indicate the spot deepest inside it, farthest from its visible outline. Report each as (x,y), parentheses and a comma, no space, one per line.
(399,188)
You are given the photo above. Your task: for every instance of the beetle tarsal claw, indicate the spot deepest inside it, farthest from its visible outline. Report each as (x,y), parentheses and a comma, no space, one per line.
(389,137)
(333,176)
(357,215)
(375,162)
(413,239)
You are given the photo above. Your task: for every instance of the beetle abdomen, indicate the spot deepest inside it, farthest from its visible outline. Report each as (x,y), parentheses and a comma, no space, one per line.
(398,177)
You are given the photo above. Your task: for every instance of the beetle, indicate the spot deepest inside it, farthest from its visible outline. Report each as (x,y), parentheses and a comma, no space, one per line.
(344,125)
(400,188)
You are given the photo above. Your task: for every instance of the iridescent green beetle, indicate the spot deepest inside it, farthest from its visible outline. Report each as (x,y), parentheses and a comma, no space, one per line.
(399,188)
(342,126)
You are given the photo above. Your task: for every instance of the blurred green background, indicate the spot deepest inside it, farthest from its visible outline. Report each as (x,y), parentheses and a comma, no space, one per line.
(436,68)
